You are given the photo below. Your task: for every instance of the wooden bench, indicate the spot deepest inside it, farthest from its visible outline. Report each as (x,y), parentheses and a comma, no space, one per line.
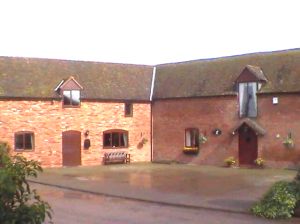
(116,157)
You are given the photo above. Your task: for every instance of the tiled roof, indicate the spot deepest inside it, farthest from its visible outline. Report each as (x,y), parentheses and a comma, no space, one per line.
(257,72)
(37,78)
(216,77)
(252,124)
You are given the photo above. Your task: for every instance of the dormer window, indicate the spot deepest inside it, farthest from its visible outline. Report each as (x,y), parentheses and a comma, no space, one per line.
(70,91)
(249,82)
(71,98)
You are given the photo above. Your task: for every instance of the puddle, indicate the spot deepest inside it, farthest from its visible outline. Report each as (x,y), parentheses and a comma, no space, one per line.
(82,178)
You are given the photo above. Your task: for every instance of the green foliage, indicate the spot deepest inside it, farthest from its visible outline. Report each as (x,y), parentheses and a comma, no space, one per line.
(288,141)
(202,139)
(280,201)
(18,203)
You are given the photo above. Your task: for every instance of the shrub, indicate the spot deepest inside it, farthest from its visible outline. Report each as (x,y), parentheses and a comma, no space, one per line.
(230,161)
(18,203)
(279,202)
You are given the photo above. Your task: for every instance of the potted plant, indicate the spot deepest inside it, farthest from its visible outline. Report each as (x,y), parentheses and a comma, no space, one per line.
(230,161)
(288,141)
(202,139)
(259,162)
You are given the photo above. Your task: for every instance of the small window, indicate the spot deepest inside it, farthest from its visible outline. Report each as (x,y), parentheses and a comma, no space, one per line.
(191,137)
(115,139)
(248,99)
(24,141)
(128,109)
(71,98)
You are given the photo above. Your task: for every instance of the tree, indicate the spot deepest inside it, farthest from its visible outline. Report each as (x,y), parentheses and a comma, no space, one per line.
(18,203)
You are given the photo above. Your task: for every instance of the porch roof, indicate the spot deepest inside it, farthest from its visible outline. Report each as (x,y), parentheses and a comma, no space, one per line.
(252,124)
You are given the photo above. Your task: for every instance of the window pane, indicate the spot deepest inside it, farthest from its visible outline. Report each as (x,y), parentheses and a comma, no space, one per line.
(252,107)
(124,139)
(67,97)
(188,142)
(243,98)
(192,137)
(248,99)
(28,141)
(128,109)
(115,139)
(19,143)
(75,97)
(107,139)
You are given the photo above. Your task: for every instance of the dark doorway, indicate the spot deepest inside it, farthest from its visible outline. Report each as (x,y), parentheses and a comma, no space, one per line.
(71,148)
(247,145)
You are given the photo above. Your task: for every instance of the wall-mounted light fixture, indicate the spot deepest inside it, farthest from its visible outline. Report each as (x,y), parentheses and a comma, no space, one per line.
(217,132)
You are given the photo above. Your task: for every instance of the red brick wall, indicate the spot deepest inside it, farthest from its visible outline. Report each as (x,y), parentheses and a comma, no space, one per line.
(172,117)
(47,119)
(279,120)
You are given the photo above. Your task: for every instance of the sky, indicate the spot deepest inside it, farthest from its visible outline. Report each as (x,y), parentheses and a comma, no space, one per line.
(146,32)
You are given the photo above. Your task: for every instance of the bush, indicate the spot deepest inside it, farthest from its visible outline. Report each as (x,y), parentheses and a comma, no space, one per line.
(18,203)
(280,201)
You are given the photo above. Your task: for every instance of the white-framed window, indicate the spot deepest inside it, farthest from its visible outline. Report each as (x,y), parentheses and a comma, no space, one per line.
(191,137)
(71,98)
(248,99)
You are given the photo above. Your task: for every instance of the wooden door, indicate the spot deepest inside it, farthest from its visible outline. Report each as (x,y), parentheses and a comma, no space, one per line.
(71,148)
(247,146)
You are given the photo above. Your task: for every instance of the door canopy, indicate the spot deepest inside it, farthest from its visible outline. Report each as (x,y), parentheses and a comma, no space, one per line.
(257,128)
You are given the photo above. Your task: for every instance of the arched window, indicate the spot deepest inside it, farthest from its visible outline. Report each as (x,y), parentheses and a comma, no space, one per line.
(115,139)
(24,141)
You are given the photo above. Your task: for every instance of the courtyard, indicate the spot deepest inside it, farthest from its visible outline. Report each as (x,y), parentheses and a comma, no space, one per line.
(169,187)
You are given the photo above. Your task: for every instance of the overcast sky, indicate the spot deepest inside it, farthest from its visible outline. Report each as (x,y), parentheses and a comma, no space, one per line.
(146,32)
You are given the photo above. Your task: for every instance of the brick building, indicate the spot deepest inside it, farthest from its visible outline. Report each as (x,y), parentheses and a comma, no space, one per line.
(69,113)
(64,112)
(245,106)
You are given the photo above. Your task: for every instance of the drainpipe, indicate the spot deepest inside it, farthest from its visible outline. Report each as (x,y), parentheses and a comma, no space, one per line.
(151,115)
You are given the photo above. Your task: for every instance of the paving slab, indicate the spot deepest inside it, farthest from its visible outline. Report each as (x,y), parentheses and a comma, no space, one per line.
(225,189)
(78,207)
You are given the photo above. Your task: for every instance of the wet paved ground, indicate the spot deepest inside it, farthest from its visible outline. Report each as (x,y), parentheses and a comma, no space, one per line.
(191,186)
(84,208)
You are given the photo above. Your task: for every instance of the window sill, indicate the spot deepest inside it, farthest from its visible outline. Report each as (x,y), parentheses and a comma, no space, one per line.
(191,150)
(110,147)
(23,150)
(68,106)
